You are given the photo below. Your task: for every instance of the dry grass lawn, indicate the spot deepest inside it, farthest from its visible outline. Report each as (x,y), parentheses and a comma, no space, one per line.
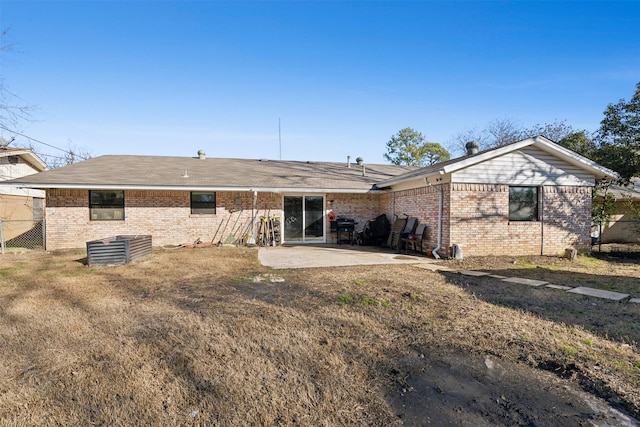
(190,337)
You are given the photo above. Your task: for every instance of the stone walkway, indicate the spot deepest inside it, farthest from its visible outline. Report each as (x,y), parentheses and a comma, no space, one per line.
(581,290)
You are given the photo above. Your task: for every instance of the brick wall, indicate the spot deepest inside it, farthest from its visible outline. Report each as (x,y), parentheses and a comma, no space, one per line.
(480,221)
(567,219)
(421,203)
(474,215)
(166,215)
(360,207)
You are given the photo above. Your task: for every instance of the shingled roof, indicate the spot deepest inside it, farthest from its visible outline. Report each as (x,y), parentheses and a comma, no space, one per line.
(214,174)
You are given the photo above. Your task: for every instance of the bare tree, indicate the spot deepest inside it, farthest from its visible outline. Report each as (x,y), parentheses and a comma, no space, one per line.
(555,131)
(72,154)
(504,131)
(457,145)
(60,157)
(12,108)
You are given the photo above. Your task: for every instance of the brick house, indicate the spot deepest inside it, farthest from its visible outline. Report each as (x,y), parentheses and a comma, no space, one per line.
(623,226)
(20,208)
(529,197)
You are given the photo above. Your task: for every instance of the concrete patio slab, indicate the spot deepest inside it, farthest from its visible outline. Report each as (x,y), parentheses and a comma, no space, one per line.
(472,273)
(307,256)
(528,282)
(497,276)
(598,293)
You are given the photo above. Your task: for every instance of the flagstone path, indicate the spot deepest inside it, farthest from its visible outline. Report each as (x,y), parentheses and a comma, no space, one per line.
(581,290)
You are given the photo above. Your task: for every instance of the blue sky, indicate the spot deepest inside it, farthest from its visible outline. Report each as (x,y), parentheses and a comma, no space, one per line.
(169,78)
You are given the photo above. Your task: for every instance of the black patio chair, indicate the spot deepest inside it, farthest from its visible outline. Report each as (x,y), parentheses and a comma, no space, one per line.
(417,239)
(409,229)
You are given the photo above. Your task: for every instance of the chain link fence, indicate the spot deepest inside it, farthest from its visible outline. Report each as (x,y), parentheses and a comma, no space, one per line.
(26,234)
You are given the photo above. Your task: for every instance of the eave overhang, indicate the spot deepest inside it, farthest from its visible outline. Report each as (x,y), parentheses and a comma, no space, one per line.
(433,173)
(28,156)
(193,188)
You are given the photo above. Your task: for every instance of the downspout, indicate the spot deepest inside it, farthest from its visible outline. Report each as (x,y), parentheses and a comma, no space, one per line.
(440,202)
(393,209)
(252,239)
(2,247)
(542,220)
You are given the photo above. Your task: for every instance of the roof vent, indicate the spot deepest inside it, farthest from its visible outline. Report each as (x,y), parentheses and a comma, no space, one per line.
(202,155)
(472,147)
(4,143)
(359,161)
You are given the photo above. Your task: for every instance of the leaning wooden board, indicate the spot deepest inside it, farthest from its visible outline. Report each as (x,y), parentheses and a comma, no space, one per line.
(394,236)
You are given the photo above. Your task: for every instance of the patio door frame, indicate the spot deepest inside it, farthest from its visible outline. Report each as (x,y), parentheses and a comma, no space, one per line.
(304,238)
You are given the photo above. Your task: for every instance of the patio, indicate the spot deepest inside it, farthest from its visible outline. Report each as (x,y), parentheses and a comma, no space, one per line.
(308,256)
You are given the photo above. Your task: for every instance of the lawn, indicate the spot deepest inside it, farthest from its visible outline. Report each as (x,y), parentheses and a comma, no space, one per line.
(210,337)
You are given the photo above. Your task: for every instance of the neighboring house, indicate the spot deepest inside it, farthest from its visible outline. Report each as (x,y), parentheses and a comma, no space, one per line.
(19,206)
(530,197)
(623,226)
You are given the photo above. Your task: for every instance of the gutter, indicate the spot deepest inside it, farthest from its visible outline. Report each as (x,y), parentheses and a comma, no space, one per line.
(440,203)
(542,220)
(49,186)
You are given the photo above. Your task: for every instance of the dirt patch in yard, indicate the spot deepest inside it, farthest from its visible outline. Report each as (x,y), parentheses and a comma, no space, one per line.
(449,388)
(210,337)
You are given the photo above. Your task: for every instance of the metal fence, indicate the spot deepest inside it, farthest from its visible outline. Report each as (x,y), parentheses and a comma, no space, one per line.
(26,234)
(617,238)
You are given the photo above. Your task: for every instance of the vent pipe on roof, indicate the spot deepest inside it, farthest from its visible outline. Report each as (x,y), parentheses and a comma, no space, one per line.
(472,147)
(360,163)
(202,155)
(348,161)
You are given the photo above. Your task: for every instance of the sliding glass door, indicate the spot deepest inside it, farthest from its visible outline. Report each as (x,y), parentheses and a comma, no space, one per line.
(304,218)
